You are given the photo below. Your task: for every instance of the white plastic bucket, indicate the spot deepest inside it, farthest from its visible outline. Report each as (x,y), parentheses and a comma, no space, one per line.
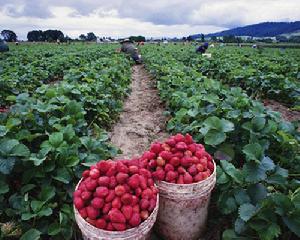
(183,208)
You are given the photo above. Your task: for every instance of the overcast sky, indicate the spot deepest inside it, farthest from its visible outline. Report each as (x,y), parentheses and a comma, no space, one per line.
(153,18)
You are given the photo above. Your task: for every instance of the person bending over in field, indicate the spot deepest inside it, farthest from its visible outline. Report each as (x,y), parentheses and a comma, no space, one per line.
(129,48)
(3,46)
(202,49)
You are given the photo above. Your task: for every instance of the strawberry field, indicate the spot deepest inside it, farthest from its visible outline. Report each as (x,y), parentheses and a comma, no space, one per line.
(59,101)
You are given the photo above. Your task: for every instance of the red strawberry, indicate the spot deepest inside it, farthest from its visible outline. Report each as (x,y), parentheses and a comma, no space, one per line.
(106,208)
(193,170)
(180,180)
(86,173)
(188,139)
(147,193)
(160,161)
(181,146)
(166,155)
(178,154)
(171,142)
(143,182)
(166,147)
(200,167)
(159,175)
(136,208)
(205,174)
(121,177)
(116,216)
(200,153)
(152,164)
(134,200)
(92,212)
(150,182)
(138,192)
(127,212)
(79,203)
(148,155)
(210,166)
(103,166)
(112,182)
(144,214)
(122,167)
(83,213)
(110,196)
(91,185)
(144,172)
(116,203)
(133,169)
(171,175)
(181,170)
(135,220)
(192,147)
(94,173)
(110,227)
(112,170)
(179,138)
(144,203)
(77,193)
(198,177)
(102,192)
(187,178)
(188,153)
(134,181)
(186,161)
(169,167)
(91,221)
(175,161)
(104,181)
(156,148)
(152,204)
(120,190)
(119,226)
(101,223)
(97,203)
(126,199)
(86,195)
(203,161)
(195,160)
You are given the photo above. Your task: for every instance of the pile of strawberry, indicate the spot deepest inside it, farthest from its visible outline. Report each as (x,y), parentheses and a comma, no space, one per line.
(116,195)
(178,160)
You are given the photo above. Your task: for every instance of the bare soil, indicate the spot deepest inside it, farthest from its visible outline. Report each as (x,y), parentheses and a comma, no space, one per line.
(286,113)
(142,120)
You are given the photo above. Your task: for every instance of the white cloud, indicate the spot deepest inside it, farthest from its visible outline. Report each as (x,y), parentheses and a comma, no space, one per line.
(151,18)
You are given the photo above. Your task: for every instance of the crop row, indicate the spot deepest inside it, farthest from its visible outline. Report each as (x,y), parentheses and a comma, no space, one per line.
(257,193)
(47,139)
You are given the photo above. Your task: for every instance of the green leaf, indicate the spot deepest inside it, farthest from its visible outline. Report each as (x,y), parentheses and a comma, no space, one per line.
(258,123)
(6,146)
(27,216)
(13,122)
(247,211)
(32,234)
(54,229)
(225,152)
(3,131)
(241,196)
(229,234)
(56,139)
(257,192)
(267,164)
(254,172)
(20,150)
(292,224)
(62,175)
(4,188)
(232,171)
(213,137)
(222,177)
(253,151)
(36,205)
(7,164)
(239,226)
(47,193)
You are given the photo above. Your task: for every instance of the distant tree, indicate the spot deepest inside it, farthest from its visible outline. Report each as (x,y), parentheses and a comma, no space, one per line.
(67,38)
(82,37)
(184,39)
(9,36)
(214,38)
(91,36)
(137,38)
(294,39)
(53,35)
(35,35)
(229,39)
(189,38)
(281,39)
(202,37)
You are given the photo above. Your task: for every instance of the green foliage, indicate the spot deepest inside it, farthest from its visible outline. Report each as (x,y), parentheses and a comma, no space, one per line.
(48,137)
(257,153)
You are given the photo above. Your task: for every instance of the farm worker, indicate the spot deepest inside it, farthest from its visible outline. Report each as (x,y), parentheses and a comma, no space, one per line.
(3,46)
(128,47)
(202,49)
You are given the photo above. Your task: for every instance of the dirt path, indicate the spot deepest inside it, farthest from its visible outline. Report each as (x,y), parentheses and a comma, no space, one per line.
(142,120)
(286,113)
